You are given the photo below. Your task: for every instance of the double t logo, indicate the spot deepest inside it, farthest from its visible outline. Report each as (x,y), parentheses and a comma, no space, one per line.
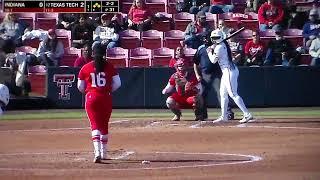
(64,81)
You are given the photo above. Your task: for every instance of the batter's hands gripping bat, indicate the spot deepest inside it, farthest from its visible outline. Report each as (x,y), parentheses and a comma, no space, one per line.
(233,34)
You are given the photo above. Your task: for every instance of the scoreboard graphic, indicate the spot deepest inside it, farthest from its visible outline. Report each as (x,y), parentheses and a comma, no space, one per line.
(71,6)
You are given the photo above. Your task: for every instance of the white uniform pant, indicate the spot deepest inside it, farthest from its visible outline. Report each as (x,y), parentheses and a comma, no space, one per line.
(229,85)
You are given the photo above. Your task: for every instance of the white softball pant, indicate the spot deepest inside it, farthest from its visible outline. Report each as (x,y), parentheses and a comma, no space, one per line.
(229,85)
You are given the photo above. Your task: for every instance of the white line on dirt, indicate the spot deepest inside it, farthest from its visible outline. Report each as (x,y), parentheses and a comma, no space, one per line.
(251,158)
(58,129)
(123,155)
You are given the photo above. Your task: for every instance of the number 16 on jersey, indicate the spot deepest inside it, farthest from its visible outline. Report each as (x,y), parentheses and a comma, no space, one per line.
(98,80)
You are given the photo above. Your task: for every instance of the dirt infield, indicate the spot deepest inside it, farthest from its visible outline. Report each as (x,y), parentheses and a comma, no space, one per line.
(285,149)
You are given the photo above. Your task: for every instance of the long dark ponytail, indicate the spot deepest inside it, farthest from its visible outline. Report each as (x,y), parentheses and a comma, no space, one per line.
(99,60)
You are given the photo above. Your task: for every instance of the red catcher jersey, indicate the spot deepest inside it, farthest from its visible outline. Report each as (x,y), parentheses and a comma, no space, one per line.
(99,83)
(185,85)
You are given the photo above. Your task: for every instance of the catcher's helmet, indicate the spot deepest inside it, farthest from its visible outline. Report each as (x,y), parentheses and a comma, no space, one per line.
(4,94)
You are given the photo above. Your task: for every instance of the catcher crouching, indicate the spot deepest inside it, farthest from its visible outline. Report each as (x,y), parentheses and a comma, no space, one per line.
(187,92)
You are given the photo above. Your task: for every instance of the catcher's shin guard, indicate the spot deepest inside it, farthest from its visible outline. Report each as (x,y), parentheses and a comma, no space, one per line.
(172,105)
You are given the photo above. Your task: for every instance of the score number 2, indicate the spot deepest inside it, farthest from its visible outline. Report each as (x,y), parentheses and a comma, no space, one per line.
(98,80)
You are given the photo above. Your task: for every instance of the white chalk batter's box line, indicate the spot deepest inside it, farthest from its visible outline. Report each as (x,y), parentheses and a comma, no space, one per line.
(252,158)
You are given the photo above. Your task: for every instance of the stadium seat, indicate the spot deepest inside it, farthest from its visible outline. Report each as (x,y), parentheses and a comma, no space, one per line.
(237,20)
(46,21)
(155,6)
(244,36)
(163,25)
(212,19)
(267,36)
(140,57)
(172,38)
(37,77)
(162,56)
(29,18)
(118,56)
(152,39)
(189,53)
(130,39)
(126,5)
(70,55)
(294,36)
(305,59)
(65,36)
(181,20)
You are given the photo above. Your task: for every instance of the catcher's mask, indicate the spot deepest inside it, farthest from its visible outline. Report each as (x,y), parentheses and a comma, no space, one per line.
(180,65)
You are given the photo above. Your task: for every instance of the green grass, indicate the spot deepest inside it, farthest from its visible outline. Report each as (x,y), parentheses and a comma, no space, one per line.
(159,113)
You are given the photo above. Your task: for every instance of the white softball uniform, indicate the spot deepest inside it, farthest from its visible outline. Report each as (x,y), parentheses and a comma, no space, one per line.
(229,79)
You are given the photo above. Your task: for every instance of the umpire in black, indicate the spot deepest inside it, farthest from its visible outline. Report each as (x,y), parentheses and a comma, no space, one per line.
(209,74)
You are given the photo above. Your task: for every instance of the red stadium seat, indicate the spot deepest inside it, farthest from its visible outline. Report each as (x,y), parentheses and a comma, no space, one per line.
(29,18)
(163,25)
(267,36)
(244,36)
(305,59)
(182,20)
(162,56)
(294,36)
(37,77)
(70,55)
(126,5)
(152,39)
(65,36)
(130,39)
(212,19)
(155,6)
(118,56)
(140,57)
(46,21)
(172,38)
(189,53)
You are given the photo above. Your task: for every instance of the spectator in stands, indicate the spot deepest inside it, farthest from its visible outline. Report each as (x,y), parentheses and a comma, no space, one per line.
(220,6)
(280,51)
(249,7)
(139,17)
(237,50)
(312,28)
(85,57)
(257,3)
(178,54)
(270,15)
(67,20)
(199,5)
(314,51)
(222,27)
(50,50)
(295,20)
(195,31)
(82,33)
(106,34)
(18,84)
(254,51)
(12,29)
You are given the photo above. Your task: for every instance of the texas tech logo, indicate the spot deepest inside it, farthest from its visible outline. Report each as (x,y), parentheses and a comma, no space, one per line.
(64,81)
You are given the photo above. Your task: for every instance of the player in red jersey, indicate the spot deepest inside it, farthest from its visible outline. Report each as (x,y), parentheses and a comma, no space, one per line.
(188,91)
(97,79)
